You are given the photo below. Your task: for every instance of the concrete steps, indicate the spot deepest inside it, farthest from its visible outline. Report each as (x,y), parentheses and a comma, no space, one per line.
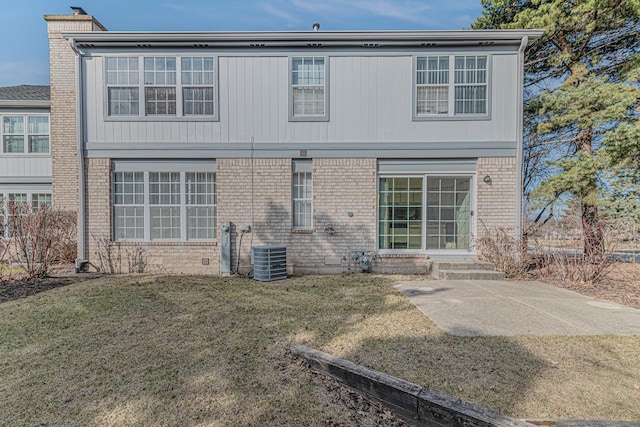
(465,270)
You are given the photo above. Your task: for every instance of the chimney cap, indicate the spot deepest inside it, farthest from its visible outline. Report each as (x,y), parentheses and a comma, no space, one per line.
(78,10)
(316,26)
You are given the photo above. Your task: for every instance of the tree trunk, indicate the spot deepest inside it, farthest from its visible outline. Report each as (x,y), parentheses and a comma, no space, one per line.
(593,233)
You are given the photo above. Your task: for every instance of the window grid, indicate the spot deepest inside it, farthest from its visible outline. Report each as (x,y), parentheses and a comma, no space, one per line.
(448,208)
(38,134)
(122,86)
(35,201)
(470,84)
(165,206)
(432,81)
(400,213)
(40,201)
(164,201)
(128,194)
(160,86)
(13,134)
(201,205)
(308,86)
(445,222)
(439,85)
(17,205)
(197,78)
(302,194)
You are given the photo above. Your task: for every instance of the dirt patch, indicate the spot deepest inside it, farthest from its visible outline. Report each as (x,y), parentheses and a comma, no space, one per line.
(61,275)
(621,285)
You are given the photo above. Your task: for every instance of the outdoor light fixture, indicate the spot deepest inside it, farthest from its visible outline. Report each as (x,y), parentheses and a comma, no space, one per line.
(487,179)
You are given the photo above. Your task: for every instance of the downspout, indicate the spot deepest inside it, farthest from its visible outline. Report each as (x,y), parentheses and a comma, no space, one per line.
(520,138)
(82,258)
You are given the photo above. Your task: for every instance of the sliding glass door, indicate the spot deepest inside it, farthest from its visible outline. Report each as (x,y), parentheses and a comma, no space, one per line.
(448,212)
(425,212)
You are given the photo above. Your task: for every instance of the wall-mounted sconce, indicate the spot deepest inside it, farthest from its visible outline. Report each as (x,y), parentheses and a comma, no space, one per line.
(487,179)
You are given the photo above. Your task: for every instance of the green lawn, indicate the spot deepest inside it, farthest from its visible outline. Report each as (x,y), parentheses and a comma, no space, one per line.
(195,350)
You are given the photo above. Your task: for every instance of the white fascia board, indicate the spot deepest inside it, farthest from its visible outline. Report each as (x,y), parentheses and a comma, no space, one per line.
(21,103)
(303,38)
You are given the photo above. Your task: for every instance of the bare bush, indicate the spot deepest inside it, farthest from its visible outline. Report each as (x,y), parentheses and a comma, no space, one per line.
(111,257)
(500,247)
(65,244)
(559,259)
(30,237)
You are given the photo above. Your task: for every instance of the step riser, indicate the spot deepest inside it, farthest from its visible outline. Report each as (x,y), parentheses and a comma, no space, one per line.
(470,275)
(462,266)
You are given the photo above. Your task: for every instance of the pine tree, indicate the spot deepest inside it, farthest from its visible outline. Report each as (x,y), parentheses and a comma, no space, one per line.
(581,106)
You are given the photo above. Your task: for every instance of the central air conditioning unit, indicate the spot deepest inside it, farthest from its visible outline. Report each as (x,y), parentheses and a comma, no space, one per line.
(269,263)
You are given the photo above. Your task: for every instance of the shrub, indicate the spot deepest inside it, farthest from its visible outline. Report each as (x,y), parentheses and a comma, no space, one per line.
(31,237)
(500,247)
(110,257)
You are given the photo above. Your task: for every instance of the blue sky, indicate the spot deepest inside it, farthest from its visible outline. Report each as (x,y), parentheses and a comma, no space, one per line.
(24,54)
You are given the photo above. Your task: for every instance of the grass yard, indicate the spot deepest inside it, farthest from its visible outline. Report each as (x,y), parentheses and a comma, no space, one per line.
(195,350)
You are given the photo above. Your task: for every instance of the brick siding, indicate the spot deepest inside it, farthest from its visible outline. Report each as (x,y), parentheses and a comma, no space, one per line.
(497,199)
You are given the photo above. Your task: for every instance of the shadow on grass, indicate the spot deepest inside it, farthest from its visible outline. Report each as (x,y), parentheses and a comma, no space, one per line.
(143,350)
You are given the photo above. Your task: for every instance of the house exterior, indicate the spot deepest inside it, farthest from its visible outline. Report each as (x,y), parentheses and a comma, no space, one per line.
(25,151)
(404,145)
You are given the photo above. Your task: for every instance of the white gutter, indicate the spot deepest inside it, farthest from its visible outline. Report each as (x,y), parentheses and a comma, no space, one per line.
(301,38)
(23,103)
(82,258)
(520,138)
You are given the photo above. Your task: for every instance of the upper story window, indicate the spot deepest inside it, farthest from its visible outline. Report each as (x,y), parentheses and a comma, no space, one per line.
(471,85)
(197,86)
(122,86)
(160,86)
(25,134)
(308,88)
(438,86)
(165,86)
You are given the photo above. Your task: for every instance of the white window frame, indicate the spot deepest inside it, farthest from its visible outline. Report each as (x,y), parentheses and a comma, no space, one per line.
(157,77)
(302,169)
(29,195)
(143,84)
(201,79)
(424,250)
(452,85)
(125,79)
(325,86)
(131,201)
(433,79)
(197,200)
(182,169)
(26,134)
(423,213)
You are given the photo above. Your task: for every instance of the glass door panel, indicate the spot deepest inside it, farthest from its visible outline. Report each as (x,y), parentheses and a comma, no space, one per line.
(448,212)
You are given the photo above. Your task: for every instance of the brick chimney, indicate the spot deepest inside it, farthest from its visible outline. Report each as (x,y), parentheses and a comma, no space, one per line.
(62,66)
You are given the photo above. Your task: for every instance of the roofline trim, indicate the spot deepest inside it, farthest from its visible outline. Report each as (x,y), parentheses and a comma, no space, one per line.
(304,37)
(24,103)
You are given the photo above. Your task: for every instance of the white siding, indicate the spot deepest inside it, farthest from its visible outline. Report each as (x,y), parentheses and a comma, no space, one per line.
(371,100)
(25,166)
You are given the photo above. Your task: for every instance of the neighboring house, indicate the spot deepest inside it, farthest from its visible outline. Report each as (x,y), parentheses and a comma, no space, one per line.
(25,150)
(406,144)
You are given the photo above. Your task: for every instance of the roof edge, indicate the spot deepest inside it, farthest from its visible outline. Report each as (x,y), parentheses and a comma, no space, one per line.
(23,103)
(293,36)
